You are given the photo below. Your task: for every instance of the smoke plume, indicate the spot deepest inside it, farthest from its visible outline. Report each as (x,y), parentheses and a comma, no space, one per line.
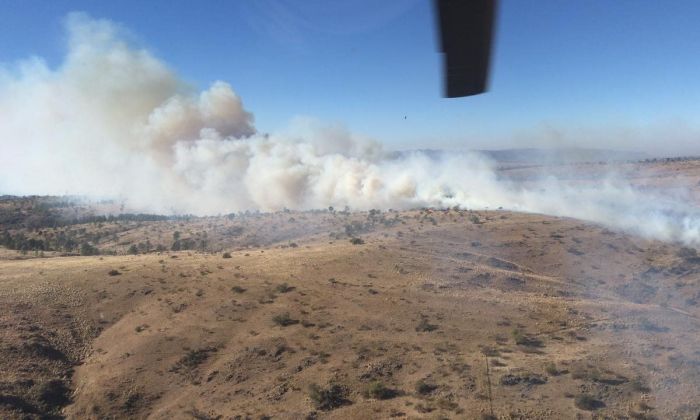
(114,121)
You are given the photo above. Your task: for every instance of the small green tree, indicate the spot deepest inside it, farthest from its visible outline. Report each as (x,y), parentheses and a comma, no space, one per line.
(87,249)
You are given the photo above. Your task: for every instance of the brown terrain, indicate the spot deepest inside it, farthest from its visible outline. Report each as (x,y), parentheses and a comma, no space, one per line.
(330,314)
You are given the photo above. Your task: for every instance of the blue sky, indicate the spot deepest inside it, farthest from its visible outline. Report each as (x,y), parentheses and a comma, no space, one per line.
(595,73)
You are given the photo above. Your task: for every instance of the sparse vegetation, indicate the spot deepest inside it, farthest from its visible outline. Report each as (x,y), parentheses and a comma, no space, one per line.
(372,317)
(53,393)
(425,388)
(447,404)
(328,398)
(518,337)
(284,288)
(595,374)
(639,385)
(201,415)
(551,369)
(192,359)
(379,391)
(425,326)
(284,320)
(526,378)
(424,408)
(238,289)
(522,339)
(641,415)
(497,363)
(87,249)
(687,253)
(490,351)
(647,325)
(587,402)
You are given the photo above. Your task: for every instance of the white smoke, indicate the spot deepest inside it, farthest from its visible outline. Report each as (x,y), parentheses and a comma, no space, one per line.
(114,121)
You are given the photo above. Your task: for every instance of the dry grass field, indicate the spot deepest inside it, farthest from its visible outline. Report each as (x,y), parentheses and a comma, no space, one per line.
(414,314)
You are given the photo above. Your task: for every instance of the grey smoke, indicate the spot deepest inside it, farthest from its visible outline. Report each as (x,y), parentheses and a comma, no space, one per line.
(114,121)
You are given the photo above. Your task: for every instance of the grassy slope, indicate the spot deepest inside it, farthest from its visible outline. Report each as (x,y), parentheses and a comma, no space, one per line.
(168,337)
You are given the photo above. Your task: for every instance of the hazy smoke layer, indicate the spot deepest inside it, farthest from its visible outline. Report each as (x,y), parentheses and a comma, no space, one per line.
(113,121)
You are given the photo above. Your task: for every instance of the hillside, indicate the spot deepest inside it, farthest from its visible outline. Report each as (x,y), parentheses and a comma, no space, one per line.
(437,314)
